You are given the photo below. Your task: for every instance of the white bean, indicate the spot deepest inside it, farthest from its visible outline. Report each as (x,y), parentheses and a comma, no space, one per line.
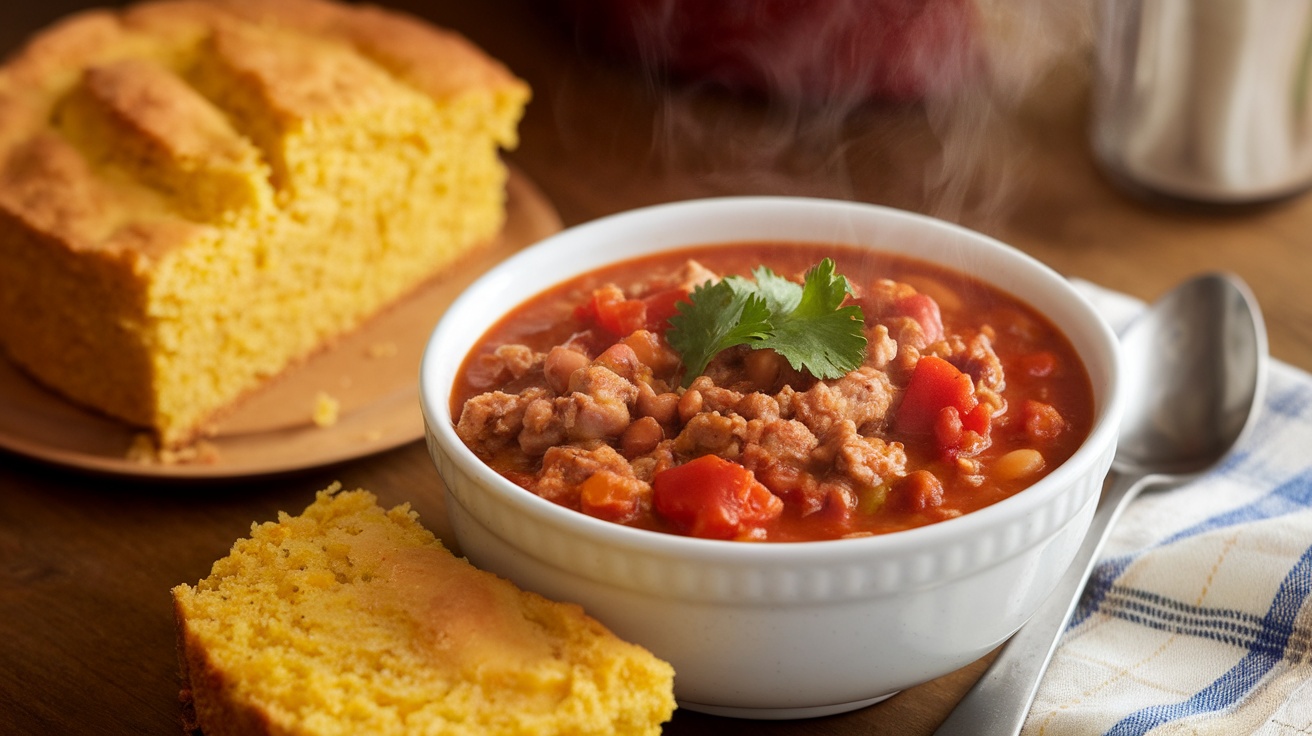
(1018,464)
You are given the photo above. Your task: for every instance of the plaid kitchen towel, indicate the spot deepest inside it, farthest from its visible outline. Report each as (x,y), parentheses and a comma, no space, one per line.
(1197,619)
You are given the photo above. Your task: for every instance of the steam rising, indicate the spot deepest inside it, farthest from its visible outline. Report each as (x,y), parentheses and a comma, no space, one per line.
(919,108)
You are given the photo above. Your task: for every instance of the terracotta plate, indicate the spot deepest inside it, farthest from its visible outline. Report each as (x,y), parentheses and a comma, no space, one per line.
(372,373)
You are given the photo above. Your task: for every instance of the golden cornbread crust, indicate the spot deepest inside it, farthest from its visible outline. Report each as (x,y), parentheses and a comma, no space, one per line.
(350,619)
(195,194)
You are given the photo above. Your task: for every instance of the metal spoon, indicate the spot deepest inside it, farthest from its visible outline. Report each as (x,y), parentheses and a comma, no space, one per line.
(1195,363)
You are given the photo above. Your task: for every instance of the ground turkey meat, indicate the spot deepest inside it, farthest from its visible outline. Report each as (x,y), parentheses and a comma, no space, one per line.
(869,462)
(491,421)
(862,397)
(597,407)
(778,452)
(584,399)
(711,433)
(566,468)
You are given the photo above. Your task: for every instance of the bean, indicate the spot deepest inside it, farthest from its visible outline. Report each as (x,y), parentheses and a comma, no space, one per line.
(621,359)
(560,364)
(763,368)
(690,404)
(641,437)
(919,490)
(664,408)
(1018,464)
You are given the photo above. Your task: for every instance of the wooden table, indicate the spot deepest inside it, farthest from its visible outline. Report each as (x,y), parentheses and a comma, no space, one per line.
(86,563)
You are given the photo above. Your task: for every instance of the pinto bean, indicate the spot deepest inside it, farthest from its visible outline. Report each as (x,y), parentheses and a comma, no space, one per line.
(763,368)
(690,404)
(919,490)
(621,359)
(560,364)
(664,407)
(641,437)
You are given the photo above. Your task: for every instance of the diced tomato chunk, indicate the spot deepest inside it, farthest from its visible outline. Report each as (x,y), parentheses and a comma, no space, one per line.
(607,495)
(947,427)
(587,311)
(923,309)
(940,400)
(661,306)
(622,317)
(956,435)
(978,420)
(714,498)
(609,310)
(934,385)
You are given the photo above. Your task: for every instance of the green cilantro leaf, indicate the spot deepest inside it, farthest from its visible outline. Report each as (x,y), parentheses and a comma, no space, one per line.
(819,334)
(715,317)
(780,294)
(806,324)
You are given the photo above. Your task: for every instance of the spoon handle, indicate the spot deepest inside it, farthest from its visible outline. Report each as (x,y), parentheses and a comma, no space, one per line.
(1001,699)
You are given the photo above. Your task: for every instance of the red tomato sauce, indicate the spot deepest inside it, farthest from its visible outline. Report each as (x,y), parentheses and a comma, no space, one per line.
(966,396)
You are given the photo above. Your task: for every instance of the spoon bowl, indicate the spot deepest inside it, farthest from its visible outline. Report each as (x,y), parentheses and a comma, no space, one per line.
(1194,365)
(1195,368)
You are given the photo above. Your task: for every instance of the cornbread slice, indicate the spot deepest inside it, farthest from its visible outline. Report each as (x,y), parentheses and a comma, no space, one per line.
(350,619)
(196,194)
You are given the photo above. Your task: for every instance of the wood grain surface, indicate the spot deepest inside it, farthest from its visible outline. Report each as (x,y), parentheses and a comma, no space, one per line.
(86,561)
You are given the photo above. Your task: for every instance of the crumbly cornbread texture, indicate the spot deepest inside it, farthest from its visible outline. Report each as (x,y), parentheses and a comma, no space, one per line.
(353,620)
(195,194)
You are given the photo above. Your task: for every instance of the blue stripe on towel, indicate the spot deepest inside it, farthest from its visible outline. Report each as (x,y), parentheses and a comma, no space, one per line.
(1229,688)
(1155,611)
(1290,497)
(1292,400)
(1227,626)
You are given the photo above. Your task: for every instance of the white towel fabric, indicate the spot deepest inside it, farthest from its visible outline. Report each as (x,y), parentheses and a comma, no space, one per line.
(1198,618)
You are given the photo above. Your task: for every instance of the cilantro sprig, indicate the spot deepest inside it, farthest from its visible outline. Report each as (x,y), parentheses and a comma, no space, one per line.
(807,324)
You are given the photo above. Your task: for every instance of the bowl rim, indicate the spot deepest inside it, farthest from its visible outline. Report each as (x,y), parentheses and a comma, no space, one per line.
(1109,397)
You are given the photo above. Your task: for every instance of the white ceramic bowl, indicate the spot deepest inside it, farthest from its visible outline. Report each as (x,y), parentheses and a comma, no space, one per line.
(791,629)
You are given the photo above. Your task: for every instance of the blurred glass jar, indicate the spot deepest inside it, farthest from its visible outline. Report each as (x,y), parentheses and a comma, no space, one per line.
(815,51)
(1205,100)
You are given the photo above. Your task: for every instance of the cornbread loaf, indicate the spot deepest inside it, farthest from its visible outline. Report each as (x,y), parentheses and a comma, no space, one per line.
(350,619)
(196,194)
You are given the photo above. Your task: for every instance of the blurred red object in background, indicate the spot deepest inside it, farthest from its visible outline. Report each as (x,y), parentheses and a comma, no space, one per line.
(809,50)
